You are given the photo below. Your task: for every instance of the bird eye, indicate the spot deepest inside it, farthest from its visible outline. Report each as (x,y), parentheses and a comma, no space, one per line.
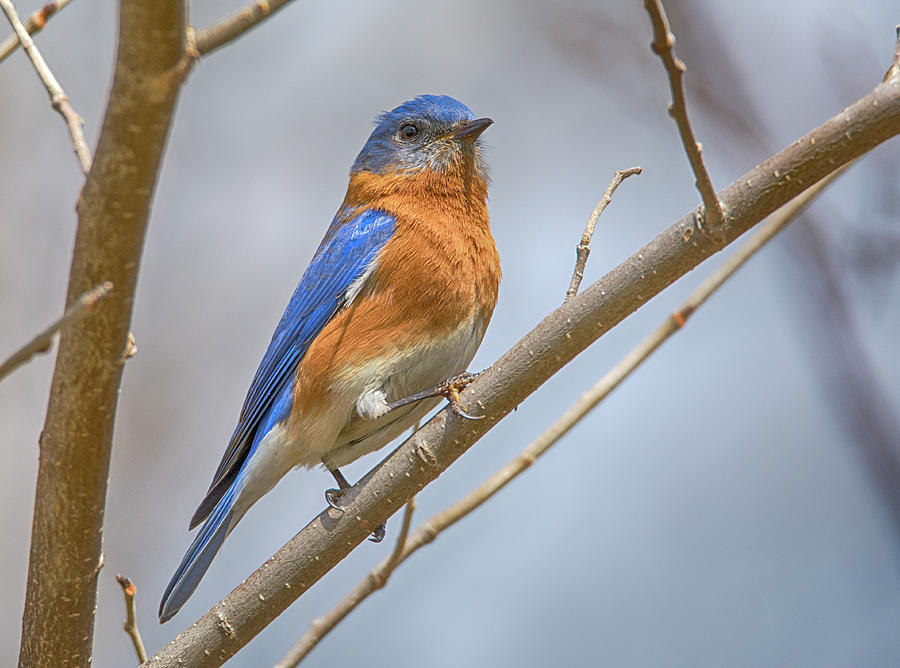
(408,131)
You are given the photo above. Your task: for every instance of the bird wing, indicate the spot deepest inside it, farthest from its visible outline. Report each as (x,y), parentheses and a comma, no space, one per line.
(344,257)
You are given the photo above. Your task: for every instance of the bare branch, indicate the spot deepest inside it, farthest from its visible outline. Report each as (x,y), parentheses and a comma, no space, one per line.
(58,98)
(663,45)
(583,249)
(42,342)
(76,440)
(375,580)
(129,590)
(551,345)
(232,27)
(430,529)
(33,24)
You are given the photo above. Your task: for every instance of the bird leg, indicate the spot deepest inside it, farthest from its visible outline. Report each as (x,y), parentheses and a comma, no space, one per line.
(449,389)
(333,497)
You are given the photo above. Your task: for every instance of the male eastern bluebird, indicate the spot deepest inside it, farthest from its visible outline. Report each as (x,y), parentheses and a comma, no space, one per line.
(396,300)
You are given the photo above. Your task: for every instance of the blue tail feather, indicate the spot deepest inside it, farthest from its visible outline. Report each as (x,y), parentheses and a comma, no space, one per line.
(198,557)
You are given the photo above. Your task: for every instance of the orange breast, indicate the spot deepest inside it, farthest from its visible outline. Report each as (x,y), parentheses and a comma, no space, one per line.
(439,270)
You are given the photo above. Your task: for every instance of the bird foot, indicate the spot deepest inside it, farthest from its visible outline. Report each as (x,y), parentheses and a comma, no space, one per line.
(334,496)
(449,389)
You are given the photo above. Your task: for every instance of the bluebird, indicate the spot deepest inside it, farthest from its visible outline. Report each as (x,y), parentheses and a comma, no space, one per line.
(394,303)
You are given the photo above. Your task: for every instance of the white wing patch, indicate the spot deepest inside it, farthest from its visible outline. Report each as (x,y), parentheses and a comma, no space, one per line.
(360,282)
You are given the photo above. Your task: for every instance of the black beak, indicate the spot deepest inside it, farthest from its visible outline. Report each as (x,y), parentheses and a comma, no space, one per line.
(473,129)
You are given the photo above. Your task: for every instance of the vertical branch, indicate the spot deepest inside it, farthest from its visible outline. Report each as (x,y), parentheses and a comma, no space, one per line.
(663,45)
(129,591)
(70,496)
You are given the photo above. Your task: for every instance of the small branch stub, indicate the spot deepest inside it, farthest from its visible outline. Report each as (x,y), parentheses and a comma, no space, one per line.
(129,591)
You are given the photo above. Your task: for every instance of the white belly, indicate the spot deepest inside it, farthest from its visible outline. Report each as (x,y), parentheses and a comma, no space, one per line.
(397,374)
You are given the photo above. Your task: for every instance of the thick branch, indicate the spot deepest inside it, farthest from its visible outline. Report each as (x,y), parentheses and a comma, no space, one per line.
(41,343)
(33,24)
(583,249)
(552,344)
(375,580)
(663,45)
(58,98)
(429,530)
(232,27)
(65,556)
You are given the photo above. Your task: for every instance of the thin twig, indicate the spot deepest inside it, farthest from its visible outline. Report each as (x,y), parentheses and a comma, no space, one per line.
(42,342)
(663,45)
(58,98)
(894,69)
(130,624)
(230,28)
(430,529)
(583,249)
(34,23)
(375,580)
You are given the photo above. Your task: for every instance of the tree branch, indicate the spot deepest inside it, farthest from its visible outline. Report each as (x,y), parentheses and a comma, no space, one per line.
(42,342)
(437,524)
(58,98)
(230,28)
(33,24)
(130,624)
(375,580)
(583,249)
(553,343)
(663,45)
(113,209)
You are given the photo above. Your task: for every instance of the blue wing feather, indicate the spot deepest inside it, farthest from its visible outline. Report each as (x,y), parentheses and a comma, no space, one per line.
(352,242)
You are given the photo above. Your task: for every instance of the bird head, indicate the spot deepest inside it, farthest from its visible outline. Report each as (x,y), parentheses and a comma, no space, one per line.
(430,132)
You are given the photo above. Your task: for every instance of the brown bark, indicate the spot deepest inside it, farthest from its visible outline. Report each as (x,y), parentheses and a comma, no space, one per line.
(65,558)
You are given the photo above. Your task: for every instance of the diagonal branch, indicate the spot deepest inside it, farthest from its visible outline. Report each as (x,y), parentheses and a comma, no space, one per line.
(375,580)
(58,98)
(42,342)
(583,249)
(430,529)
(230,28)
(663,45)
(551,345)
(33,24)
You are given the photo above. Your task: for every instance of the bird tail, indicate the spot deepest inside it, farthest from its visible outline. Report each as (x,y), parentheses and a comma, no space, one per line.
(199,556)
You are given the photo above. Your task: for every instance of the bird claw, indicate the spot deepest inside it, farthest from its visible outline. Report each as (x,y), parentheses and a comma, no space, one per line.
(333,498)
(379,534)
(450,390)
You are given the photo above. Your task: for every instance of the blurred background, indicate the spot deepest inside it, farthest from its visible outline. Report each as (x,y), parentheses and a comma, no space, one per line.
(735,502)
